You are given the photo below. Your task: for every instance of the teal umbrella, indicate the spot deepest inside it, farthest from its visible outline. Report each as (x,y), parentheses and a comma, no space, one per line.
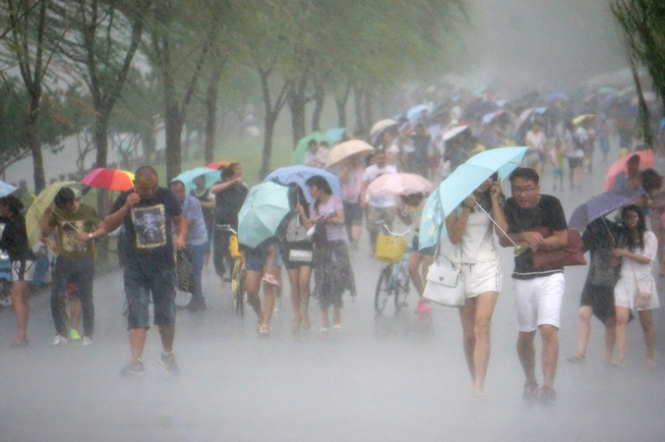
(335,135)
(264,209)
(187,178)
(460,184)
(298,155)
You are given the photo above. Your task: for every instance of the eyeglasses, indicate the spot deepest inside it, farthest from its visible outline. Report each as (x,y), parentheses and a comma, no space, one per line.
(521,190)
(630,217)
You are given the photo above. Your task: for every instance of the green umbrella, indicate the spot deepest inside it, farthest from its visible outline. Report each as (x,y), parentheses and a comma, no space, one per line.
(33,219)
(264,209)
(298,155)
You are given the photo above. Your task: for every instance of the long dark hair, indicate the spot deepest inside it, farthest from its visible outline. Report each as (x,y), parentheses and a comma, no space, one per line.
(485,199)
(14,204)
(320,183)
(641,227)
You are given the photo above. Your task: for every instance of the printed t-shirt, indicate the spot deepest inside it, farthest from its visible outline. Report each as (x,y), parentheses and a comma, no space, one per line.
(68,225)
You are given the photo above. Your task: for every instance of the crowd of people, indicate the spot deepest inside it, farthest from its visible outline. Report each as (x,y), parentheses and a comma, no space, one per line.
(319,237)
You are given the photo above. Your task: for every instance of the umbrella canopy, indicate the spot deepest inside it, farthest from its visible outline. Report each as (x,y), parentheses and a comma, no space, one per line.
(298,155)
(300,174)
(6,189)
(462,182)
(380,127)
(416,111)
(554,96)
(432,227)
(110,179)
(399,184)
(348,149)
(581,118)
(527,114)
(33,219)
(601,205)
(216,165)
(264,209)
(488,118)
(452,133)
(647,161)
(336,134)
(187,178)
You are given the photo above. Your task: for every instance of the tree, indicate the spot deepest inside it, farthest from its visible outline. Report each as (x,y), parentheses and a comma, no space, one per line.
(643,26)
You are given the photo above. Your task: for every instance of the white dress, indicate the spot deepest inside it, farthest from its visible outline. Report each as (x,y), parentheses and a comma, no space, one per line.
(634,275)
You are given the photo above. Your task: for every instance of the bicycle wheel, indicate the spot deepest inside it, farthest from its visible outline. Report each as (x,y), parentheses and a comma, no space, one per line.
(383,289)
(402,287)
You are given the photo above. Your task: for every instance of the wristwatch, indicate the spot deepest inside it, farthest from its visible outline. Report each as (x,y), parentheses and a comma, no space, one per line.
(90,236)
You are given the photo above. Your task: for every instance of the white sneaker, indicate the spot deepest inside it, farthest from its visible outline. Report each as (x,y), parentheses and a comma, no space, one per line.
(86,342)
(59,340)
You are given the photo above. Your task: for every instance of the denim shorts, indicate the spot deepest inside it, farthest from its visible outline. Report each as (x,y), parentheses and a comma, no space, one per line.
(139,283)
(257,260)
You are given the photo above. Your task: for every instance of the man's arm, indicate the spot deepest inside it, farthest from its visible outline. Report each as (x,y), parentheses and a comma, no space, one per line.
(182,227)
(363,191)
(558,240)
(219,188)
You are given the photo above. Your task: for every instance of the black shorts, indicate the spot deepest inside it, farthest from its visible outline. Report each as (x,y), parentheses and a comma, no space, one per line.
(600,299)
(353,214)
(285,248)
(427,251)
(574,163)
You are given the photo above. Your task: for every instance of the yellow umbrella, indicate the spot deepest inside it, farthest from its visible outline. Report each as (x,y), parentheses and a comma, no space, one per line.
(347,149)
(33,219)
(581,118)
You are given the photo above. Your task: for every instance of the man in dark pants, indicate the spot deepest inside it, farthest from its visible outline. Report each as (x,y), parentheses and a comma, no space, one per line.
(230,194)
(147,212)
(75,262)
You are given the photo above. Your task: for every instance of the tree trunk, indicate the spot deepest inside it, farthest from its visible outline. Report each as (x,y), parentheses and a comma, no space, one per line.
(173,126)
(368,109)
(358,106)
(297,107)
(269,129)
(211,114)
(341,101)
(36,150)
(319,98)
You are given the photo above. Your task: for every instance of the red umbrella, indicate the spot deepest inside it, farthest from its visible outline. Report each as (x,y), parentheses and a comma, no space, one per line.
(647,160)
(218,164)
(110,179)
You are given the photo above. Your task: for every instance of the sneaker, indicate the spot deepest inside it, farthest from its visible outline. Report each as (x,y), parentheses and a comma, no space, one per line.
(59,340)
(86,342)
(423,306)
(197,305)
(74,335)
(133,368)
(547,396)
(531,392)
(169,363)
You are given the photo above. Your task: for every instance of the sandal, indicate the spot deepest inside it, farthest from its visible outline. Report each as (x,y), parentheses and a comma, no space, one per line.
(619,363)
(323,330)
(337,326)
(577,359)
(264,330)
(306,324)
(650,364)
(270,279)
(19,343)
(295,326)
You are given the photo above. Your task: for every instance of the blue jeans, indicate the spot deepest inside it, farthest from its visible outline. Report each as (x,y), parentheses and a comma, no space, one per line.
(140,280)
(198,258)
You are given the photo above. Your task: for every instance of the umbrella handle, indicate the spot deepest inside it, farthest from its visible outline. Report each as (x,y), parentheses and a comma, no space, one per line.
(517,248)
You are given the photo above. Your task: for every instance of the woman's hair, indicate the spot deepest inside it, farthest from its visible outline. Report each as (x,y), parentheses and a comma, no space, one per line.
(651,180)
(13,203)
(485,199)
(320,183)
(410,200)
(641,226)
(297,196)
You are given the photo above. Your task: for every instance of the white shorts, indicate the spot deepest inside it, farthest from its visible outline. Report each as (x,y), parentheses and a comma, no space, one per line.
(625,292)
(482,277)
(538,301)
(23,270)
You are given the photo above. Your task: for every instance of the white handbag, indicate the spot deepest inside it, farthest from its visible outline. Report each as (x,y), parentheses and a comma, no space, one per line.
(445,283)
(296,255)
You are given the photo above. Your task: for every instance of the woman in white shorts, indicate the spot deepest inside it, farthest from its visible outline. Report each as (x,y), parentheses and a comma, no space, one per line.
(637,258)
(470,243)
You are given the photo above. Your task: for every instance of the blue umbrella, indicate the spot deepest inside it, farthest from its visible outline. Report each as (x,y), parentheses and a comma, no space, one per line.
(416,110)
(6,189)
(262,213)
(300,174)
(187,178)
(335,135)
(554,96)
(461,183)
(601,205)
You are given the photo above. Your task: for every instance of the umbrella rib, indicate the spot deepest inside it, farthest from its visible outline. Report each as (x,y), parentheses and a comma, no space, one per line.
(498,226)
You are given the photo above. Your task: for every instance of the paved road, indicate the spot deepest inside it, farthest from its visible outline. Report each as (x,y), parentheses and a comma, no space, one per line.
(388,378)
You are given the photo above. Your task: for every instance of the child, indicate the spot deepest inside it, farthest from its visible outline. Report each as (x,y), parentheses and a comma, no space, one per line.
(558,157)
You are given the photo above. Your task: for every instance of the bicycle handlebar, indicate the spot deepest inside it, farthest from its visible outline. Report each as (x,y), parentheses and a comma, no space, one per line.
(385,227)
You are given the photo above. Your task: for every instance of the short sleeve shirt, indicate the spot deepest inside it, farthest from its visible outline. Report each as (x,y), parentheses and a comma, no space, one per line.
(372,173)
(197,234)
(335,232)
(68,225)
(148,228)
(228,203)
(547,213)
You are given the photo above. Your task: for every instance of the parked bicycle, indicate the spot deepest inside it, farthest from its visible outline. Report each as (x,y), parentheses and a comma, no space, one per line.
(394,279)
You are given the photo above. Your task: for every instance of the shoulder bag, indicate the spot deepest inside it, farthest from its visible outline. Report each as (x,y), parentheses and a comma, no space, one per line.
(643,297)
(569,255)
(445,283)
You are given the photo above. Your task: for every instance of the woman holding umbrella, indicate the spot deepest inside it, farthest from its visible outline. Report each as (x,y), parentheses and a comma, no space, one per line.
(333,274)
(471,245)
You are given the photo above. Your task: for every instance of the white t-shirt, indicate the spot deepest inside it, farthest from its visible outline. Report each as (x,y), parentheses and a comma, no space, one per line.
(477,243)
(575,141)
(536,140)
(372,173)
(632,270)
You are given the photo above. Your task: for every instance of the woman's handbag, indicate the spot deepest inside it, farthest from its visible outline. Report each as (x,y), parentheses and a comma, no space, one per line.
(570,255)
(185,271)
(444,283)
(296,255)
(643,297)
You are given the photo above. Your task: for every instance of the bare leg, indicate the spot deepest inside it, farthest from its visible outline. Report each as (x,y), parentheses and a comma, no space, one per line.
(253,285)
(325,319)
(337,316)
(168,335)
(137,338)
(356,232)
(485,304)
(646,319)
(583,330)
(610,337)
(468,315)
(414,271)
(304,280)
(622,314)
(269,301)
(550,356)
(293,275)
(527,354)
(19,296)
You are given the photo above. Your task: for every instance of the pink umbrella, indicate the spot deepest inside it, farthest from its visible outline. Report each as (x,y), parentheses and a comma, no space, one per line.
(524,115)
(647,160)
(399,184)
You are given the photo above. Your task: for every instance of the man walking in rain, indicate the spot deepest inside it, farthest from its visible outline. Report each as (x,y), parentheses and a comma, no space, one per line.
(147,212)
(538,291)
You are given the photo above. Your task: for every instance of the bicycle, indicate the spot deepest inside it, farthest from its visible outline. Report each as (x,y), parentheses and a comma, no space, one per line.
(238,273)
(394,278)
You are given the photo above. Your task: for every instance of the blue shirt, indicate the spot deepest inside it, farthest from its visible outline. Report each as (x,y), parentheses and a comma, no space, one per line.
(197,233)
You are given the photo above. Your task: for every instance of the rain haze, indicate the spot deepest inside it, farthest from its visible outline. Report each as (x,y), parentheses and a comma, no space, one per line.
(397,374)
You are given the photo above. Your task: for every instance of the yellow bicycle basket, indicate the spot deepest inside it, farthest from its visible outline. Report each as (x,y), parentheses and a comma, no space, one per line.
(390,249)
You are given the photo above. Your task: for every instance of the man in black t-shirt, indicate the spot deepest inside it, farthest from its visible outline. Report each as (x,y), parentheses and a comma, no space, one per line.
(147,212)
(230,194)
(538,291)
